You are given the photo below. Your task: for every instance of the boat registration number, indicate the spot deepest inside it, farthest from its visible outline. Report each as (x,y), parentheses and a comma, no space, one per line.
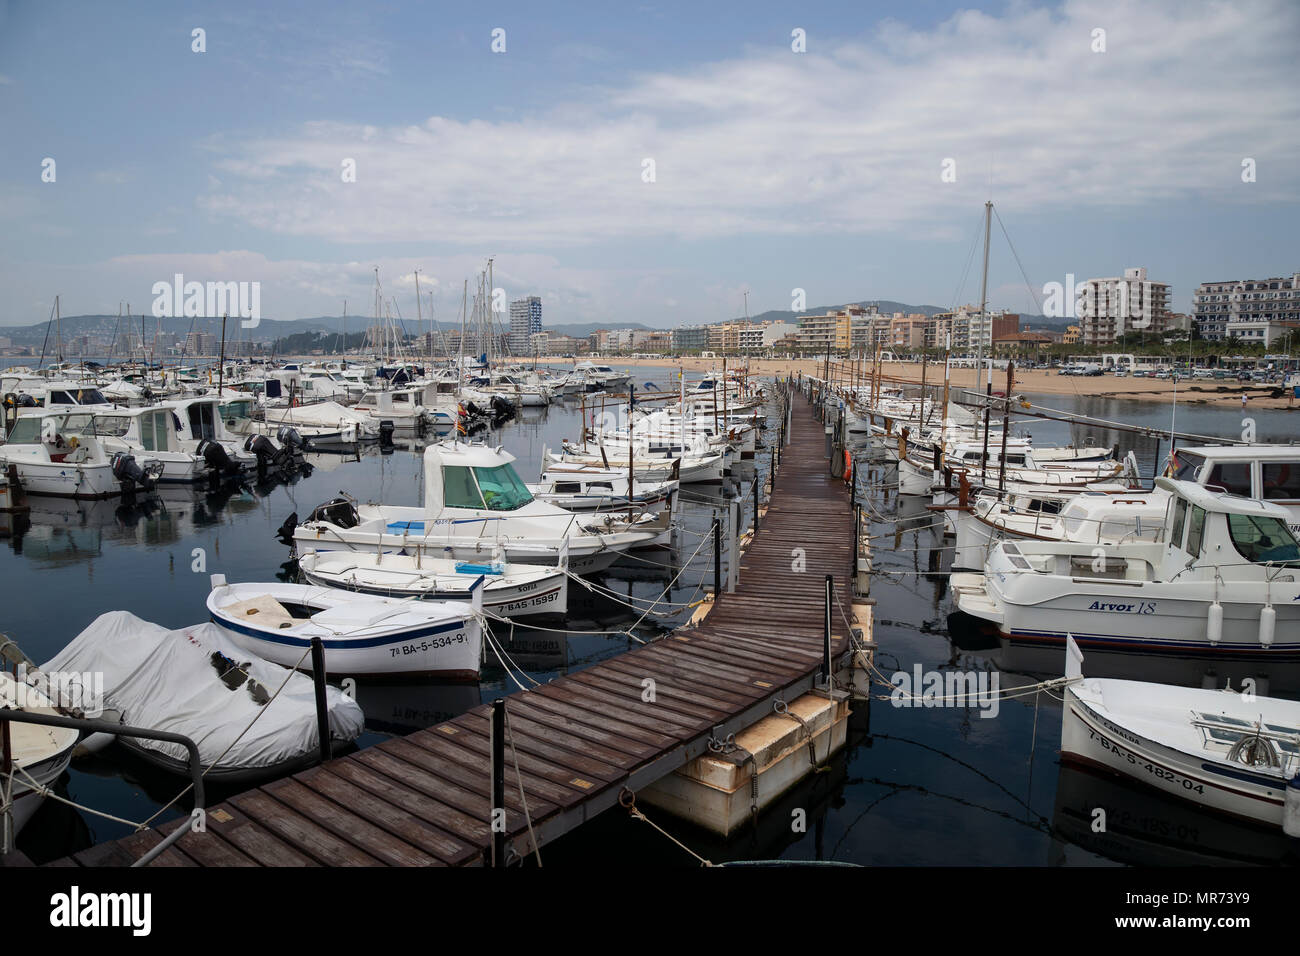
(1135,760)
(430,645)
(538,601)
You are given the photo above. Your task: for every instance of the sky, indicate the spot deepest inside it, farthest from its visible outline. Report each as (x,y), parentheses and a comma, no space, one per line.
(643,163)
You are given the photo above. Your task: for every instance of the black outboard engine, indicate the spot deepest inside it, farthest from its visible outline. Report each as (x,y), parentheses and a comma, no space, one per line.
(502,410)
(386,429)
(214,455)
(290,438)
(128,471)
(285,532)
(337,511)
(265,450)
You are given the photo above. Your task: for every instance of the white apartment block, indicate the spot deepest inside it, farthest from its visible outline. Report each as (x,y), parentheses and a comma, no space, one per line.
(1253,310)
(1111,307)
(755,337)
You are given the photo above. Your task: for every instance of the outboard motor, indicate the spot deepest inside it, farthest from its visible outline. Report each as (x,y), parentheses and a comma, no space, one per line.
(386,429)
(128,471)
(337,511)
(285,532)
(265,450)
(216,457)
(502,409)
(290,438)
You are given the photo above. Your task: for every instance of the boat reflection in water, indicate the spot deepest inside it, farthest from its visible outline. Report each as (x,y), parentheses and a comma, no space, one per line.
(402,707)
(1270,678)
(1131,824)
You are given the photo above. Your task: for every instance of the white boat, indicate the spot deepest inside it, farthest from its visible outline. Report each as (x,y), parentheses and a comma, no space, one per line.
(697,462)
(474,503)
(323,425)
(1111,515)
(509,590)
(250,718)
(52,456)
(1221,749)
(362,635)
(591,488)
(39,754)
(963,461)
(1219,581)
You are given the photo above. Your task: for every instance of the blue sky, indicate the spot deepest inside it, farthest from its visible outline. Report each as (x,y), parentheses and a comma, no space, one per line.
(774,170)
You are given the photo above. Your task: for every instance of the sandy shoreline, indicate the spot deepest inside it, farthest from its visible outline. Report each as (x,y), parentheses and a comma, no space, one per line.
(1192,392)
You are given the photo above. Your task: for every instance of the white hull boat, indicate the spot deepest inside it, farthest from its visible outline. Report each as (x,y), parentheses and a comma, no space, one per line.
(40,754)
(1220,581)
(1221,749)
(516,590)
(476,506)
(362,635)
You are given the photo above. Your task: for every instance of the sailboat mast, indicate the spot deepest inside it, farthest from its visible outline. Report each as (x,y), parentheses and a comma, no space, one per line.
(419,309)
(984,301)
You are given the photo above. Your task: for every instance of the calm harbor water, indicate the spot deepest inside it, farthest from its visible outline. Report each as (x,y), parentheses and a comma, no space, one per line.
(914,786)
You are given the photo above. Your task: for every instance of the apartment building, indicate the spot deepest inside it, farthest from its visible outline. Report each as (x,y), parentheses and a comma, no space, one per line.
(525,321)
(1251,310)
(831,332)
(1111,307)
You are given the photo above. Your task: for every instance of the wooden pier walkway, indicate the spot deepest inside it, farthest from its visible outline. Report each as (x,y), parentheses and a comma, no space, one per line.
(580,740)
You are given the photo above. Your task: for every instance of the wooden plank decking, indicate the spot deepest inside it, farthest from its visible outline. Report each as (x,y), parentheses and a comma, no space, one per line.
(423,800)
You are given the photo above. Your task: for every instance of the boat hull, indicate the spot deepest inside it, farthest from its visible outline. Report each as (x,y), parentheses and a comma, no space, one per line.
(1090,738)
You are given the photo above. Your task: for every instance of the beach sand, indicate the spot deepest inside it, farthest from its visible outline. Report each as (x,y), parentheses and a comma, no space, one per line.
(1041,381)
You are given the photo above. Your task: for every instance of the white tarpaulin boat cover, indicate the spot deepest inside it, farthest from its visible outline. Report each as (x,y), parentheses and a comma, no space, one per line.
(196,681)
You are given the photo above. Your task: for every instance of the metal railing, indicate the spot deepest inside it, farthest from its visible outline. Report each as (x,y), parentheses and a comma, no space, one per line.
(121,730)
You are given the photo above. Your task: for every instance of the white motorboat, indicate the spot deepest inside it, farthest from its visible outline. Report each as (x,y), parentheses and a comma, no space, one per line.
(697,462)
(1221,749)
(588,488)
(1219,581)
(39,754)
(509,590)
(475,502)
(52,456)
(323,424)
(363,635)
(1101,517)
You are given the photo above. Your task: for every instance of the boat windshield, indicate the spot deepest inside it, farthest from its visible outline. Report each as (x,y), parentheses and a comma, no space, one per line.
(1188,466)
(109,426)
(1263,540)
(502,489)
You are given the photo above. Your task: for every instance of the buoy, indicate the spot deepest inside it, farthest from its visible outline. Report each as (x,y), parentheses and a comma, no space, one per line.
(1267,624)
(1291,808)
(1214,624)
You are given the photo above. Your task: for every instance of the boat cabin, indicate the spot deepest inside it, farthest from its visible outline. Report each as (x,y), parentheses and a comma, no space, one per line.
(471,476)
(1266,472)
(1208,532)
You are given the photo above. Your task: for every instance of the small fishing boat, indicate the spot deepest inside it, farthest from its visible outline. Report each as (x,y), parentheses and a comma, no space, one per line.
(1222,749)
(363,635)
(251,719)
(39,754)
(509,590)
(587,488)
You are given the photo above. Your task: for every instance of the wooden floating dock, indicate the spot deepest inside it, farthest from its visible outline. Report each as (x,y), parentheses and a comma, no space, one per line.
(580,740)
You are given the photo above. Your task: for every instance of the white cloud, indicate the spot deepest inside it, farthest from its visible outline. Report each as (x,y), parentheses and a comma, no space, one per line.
(847,138)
